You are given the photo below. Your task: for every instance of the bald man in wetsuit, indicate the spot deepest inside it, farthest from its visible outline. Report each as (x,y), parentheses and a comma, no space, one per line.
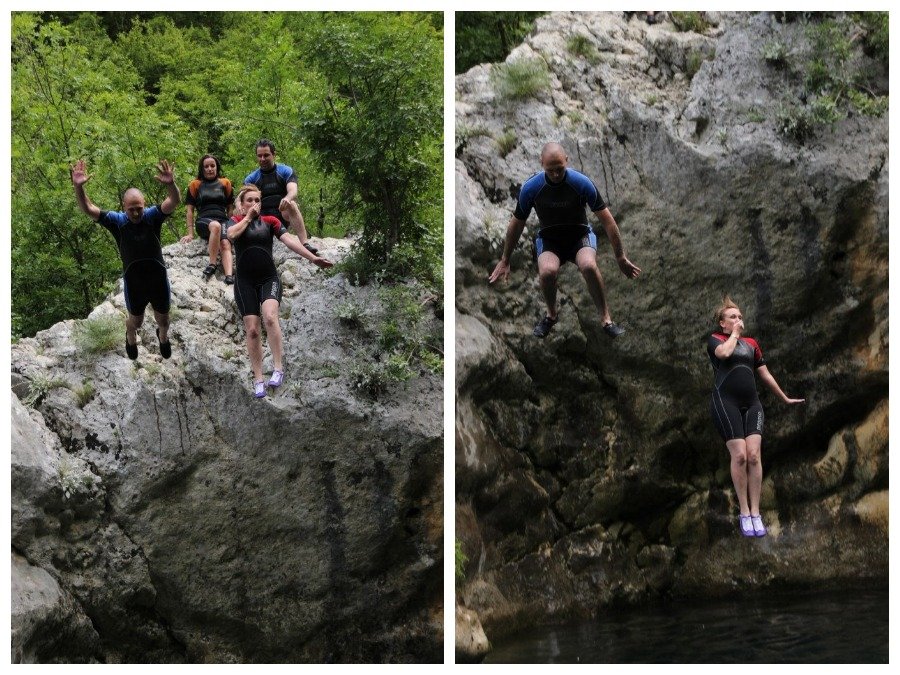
(559,195)
(137,231)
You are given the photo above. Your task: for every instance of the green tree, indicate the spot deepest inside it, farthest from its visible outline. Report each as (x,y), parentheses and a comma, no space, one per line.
(488,37)
(67,105)
(374,116)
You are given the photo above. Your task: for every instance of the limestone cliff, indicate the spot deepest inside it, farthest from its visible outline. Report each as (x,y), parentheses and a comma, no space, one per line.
(160,514)
(588,471)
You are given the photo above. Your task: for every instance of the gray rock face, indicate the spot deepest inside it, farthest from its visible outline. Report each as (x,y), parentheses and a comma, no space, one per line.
(588,471)
(169,517)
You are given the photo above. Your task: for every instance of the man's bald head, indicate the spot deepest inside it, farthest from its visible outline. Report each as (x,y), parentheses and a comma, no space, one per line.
(554,161)
(133,204)
(552,149)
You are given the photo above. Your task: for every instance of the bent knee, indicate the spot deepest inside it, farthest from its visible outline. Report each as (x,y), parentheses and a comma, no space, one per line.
(548,274)
(588,266)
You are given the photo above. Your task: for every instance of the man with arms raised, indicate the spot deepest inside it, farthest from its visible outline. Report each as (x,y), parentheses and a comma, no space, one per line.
(136,230)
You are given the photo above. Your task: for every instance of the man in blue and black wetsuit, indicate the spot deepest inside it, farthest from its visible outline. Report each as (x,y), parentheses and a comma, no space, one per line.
(278,185)
(136,230)
(559,195)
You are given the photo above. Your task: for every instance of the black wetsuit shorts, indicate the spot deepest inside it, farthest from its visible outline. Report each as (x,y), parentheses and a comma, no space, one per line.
(565,241)
(146,282)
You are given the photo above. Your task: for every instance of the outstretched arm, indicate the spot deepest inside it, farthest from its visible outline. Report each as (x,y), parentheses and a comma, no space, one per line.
(770,382)
(513,232)
(79,178)
(629,269)
(166,176)
(294,244)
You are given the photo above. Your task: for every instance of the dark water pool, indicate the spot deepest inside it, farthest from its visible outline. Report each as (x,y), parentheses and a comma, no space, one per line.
(779,627)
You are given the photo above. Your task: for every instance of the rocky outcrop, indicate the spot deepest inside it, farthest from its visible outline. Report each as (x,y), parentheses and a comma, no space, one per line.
(160,514)
(588,471)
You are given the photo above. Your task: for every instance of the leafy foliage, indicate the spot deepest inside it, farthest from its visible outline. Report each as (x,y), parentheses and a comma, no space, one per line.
(488,37)
(374,116)
(838,78)
(460,562)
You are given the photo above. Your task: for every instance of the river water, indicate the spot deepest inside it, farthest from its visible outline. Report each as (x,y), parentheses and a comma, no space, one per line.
(778,627)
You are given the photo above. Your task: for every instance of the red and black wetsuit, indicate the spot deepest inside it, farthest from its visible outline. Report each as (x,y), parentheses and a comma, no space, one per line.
(735,406)
(256,279)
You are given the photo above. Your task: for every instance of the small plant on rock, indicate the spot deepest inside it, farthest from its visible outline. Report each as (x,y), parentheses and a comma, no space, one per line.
(84,393)
(40,386)
(506,142)
(581,45)
(100,334)
(690,21)
(349,313)
(775,53)
(520,79)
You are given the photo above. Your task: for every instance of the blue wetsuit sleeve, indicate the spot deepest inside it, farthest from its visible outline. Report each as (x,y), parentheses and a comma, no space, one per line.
(526,198)
(155,215)
(287,173)
(588,191)
(252,177)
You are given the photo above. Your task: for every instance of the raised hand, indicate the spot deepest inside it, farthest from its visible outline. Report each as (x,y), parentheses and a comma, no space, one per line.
(792,401)
(79,173)
(166,174)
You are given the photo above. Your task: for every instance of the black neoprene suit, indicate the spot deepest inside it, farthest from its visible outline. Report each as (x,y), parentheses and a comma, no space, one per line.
(735,407)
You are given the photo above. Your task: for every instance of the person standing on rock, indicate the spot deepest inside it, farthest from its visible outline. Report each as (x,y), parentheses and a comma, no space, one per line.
(736,410)
(210,194)
(137,231)
(559,195)
(257,288)
(278,184)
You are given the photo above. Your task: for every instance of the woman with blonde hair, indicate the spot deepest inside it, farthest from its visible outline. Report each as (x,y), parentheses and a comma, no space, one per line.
(736,410)
(257,288)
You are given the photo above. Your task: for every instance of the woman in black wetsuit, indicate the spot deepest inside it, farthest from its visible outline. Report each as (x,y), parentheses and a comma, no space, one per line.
(257,288)
(209,199)
(736,410)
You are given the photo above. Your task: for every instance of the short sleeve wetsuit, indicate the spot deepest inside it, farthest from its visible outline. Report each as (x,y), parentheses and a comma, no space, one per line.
(210,199)
(564,228)
(143,267)
(256,279)
(272,185)
(735,407)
